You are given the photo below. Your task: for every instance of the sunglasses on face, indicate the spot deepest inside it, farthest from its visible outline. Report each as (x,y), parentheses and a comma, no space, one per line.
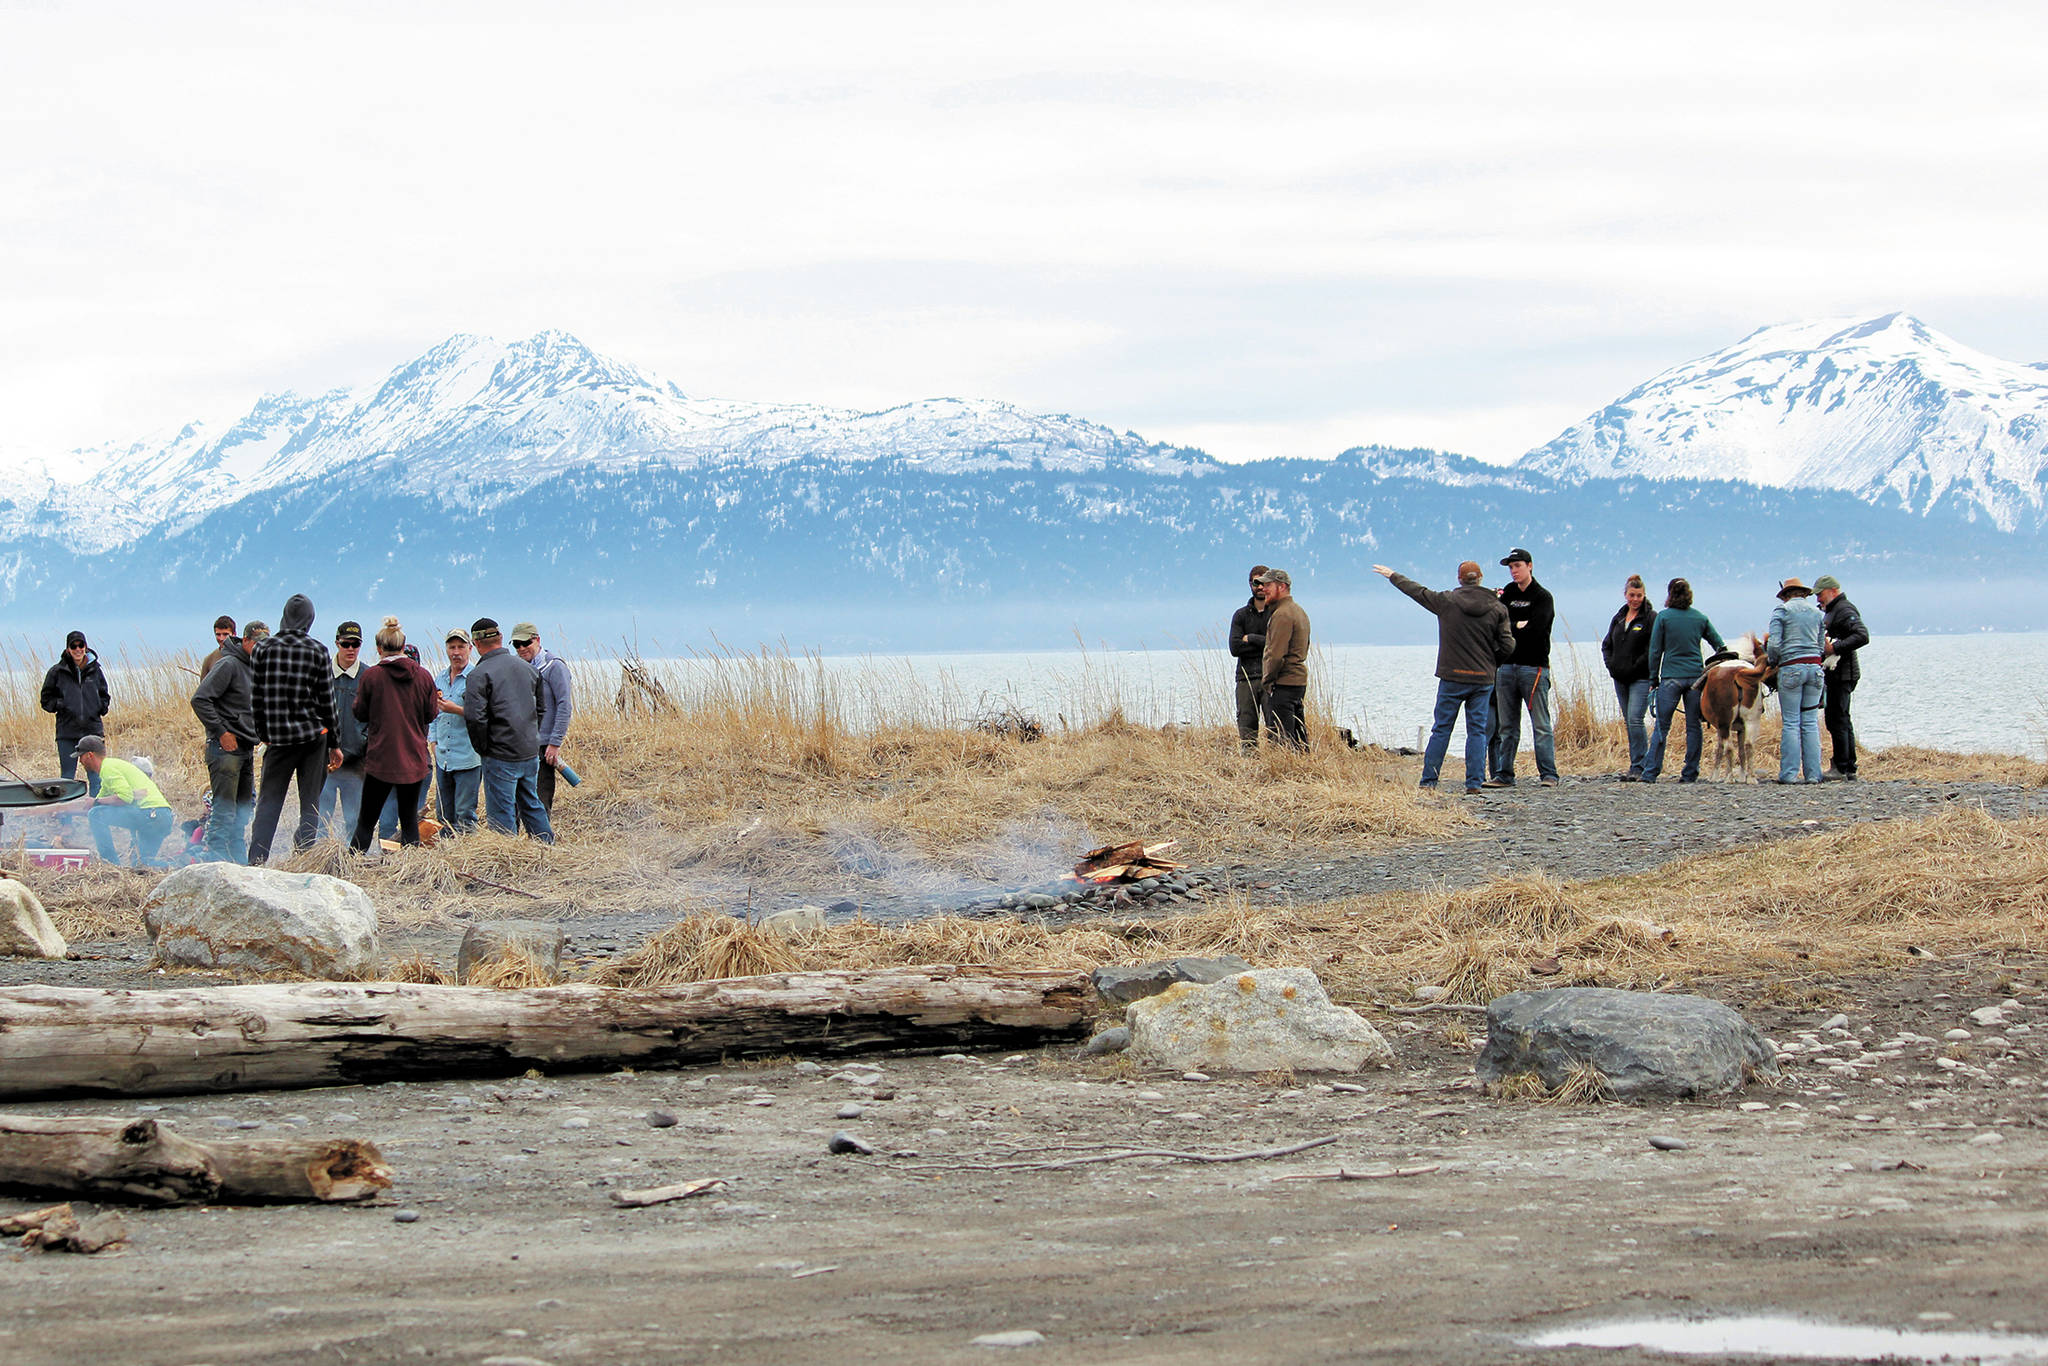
(355,644)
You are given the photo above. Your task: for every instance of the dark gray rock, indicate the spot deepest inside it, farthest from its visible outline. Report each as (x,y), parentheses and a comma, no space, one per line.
(844,1142)
(1665,1143)
(1108,1041)
(1645,1043)
(660,1119)
(1122,984)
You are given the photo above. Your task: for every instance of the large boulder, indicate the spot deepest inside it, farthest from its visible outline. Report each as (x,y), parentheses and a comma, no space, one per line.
(1119,984)
(1259,1021)
(1644,1043)
(25,928)
(222,915)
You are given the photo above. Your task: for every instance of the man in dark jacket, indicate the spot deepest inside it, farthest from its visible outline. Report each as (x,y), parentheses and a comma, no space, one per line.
(75,692)
(1248,648)
(341,800)
(1846,635)
(1526,677)
(1472,637)
(292,695)
(501,708)
(225,705)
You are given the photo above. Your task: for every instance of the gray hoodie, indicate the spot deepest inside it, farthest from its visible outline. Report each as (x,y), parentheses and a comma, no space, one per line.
(223,700)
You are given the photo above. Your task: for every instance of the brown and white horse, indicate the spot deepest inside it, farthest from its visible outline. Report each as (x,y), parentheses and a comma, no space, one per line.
(1732,702)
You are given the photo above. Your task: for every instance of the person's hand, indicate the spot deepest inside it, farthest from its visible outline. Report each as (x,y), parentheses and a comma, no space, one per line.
(1827,647)
(333,760)
(1383,571)
(552,753)
(227,741)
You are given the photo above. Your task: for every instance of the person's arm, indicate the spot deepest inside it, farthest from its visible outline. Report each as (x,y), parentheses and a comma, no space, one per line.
(1542,615)
(359,706)
(1656,658)
(1428,598)
(206,704)
(1243,645)
(259,693)
(563,708)
(1279,636)
(106,695)
(53,692)
(476,709)
(1853,637)
(1503,637)
(1712,634)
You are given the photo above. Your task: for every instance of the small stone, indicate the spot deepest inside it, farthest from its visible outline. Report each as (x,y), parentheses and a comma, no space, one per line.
(807,1067)
(1753,1105)
(1114,1040)
(1021,1337)
(1958,1035)
(576,1122)
(1194,1076)
(1985,1140)
(844,1142)
(850,1111)
(1835,1022)
(1431,993)
(1665,1143)
(405,1216)
(660,1119)
(1989,1016)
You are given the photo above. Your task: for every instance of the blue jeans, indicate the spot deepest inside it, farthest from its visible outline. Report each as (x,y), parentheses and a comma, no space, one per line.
(512,797)
(1477,700)
(148,826)
(232,776)
(1669,695)
(1635,700)
(1799,702)
(455,798)
(1513,685)
(341,801)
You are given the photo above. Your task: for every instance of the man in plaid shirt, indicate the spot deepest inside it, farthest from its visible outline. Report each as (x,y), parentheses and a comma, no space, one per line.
(293,700)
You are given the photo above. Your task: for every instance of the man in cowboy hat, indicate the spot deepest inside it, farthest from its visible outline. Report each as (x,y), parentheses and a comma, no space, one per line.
(1795,647)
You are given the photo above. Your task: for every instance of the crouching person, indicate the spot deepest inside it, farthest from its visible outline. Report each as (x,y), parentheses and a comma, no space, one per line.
(129,801)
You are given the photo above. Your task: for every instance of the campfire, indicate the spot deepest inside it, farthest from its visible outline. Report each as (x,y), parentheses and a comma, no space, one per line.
(1130,862)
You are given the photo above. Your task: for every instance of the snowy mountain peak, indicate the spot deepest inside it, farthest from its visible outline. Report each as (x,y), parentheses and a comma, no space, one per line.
(1886,408)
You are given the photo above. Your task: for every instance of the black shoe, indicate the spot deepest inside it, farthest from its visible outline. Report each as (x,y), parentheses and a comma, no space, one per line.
(1831,776)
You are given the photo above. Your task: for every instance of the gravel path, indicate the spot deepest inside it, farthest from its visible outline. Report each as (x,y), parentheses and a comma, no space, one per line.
(1598,827)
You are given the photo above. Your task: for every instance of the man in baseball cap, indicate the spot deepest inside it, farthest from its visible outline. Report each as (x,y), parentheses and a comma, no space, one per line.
(128,800)
(1525,679)
(1846,637)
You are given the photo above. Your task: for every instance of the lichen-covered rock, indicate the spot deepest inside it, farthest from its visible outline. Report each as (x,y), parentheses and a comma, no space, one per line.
(540,940)
(25,928)
(222,915)
(1645,1043)
(1259,1021)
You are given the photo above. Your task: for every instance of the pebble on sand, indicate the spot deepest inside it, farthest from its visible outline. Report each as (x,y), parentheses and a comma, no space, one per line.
(1021,1337)
(1665,1143)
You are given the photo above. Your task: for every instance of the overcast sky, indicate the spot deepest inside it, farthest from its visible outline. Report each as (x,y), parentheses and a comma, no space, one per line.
(1264,229)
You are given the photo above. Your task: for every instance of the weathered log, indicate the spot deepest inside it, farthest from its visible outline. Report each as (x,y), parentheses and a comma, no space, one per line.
(78,1041)
(140,1161)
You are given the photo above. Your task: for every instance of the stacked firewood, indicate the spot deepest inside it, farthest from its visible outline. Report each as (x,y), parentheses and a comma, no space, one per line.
(1132,861)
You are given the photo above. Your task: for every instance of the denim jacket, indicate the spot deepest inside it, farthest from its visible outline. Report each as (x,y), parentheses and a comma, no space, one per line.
(1795,631)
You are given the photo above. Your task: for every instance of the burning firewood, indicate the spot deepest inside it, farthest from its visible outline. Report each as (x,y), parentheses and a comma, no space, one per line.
(1133,861)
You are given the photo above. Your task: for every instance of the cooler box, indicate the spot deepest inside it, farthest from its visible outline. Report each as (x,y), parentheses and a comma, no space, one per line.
(63,860)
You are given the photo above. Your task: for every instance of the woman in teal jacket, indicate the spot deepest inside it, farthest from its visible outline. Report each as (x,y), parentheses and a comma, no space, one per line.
(1675,665)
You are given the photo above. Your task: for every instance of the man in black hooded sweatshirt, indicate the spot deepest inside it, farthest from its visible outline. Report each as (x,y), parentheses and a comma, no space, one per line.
(1248,647)
(293,701)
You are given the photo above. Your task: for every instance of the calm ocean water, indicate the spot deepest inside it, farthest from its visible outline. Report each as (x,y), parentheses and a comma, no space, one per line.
(1909,694)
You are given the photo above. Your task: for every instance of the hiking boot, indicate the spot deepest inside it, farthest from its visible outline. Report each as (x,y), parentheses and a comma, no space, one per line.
(1498,782)
(1546,782)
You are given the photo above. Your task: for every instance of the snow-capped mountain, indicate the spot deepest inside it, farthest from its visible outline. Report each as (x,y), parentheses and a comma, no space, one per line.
(477,422)
(1887,409)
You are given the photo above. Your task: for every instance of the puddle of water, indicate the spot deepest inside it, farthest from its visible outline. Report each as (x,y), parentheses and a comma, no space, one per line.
(1763,1335)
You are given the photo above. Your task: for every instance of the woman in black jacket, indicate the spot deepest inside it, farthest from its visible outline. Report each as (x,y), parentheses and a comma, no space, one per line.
(75,692)
(1627,652)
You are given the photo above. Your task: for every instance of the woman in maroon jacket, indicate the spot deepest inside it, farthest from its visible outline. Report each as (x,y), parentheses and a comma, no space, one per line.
(396,702)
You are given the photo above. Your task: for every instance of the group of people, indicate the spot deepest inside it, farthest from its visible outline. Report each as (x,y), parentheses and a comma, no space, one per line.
(360,742)
(1493,662)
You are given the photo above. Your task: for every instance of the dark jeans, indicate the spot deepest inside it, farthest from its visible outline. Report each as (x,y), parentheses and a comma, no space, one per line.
(512,798)
(1635,701)
(1284,715)
(1477,700)
(375,790)
(455,796)
(307,763)
(1841,731)
(148,825)
(1669,695)
(232,776)
(1514,684)
(1247,714)
(67,766)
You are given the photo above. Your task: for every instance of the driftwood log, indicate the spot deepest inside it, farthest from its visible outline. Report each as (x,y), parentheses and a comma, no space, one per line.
(141,1162)
(77,1041)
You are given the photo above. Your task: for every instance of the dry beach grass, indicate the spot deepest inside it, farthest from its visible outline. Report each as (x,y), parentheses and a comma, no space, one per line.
(754,778)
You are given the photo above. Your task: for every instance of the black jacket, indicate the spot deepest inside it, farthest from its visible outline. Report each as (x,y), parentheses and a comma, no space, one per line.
(1627,646)
(1248,639)
(501,707)
(1844,627)
(1530,612)
(1472,634)
(351,737)
(77,697)
(224,700)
